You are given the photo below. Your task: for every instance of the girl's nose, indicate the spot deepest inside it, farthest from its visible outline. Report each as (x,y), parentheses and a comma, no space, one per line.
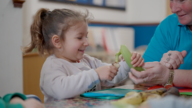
(86,42)
(175,7)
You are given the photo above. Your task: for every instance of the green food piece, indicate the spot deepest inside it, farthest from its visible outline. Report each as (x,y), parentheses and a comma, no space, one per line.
(127,57)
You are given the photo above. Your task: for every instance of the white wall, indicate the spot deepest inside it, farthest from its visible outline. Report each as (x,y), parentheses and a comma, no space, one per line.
(11,77)
(146,11)
(137,11)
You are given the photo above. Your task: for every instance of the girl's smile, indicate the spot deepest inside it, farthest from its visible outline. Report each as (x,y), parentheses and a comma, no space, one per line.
(81,51)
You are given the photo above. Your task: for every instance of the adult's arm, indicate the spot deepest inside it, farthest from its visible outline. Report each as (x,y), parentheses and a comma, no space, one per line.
(182,78)
(158,44)
(163,40)
(156,73)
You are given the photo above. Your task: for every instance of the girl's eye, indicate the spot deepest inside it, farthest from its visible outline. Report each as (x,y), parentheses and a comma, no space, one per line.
(79,38)
(181,0)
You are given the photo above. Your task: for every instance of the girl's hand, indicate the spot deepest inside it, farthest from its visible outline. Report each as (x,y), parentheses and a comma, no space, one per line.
(107,72)
(137,60)
(173,59)
(121,58)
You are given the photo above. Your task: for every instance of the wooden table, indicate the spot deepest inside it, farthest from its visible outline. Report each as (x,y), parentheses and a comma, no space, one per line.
(81,102)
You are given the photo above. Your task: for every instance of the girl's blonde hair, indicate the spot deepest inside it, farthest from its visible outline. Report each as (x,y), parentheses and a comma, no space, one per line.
(48,23)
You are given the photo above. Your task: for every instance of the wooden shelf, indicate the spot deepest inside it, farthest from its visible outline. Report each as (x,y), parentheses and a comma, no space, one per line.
(32,64)
(168,8)
(30,54)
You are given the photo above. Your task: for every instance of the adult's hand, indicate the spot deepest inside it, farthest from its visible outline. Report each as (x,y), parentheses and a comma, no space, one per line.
(173,59)
(33,103)
(155,73)
(29,103)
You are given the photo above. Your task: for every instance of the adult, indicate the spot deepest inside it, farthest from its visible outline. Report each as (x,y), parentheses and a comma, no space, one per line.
(173,41)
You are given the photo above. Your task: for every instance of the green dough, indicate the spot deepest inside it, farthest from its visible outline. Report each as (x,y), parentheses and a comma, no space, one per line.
(127,57)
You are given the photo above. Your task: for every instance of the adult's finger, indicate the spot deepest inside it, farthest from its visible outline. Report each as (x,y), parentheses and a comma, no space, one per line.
(165,55)
(134,79)
(184,53)
(179,55)
(138,74)
(148,84)
(176,56)
(173,63)
(150,64)
(168,65)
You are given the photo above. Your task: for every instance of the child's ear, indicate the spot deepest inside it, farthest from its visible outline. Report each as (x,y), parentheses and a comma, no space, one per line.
(56,41)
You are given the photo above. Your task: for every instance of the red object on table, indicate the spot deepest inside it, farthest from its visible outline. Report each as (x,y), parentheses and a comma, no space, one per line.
(155,87)
(180,89)
(185,90)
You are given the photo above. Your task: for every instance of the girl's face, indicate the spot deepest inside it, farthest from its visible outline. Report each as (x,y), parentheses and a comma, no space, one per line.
(183,9)
(75,42)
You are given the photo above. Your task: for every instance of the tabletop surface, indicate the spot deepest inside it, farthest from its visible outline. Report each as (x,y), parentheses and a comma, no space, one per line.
(81,102)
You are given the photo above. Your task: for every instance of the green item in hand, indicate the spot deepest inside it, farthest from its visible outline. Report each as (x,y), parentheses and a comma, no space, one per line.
(127,57)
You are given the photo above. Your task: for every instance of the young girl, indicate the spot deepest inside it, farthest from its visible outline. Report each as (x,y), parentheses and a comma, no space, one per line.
(68,72)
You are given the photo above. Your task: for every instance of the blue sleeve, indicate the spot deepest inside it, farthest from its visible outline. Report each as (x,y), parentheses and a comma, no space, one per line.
(3,104)
(8,97)
(159,43)
(170,102)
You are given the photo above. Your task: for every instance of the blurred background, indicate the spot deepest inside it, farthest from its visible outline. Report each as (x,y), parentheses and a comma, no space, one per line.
(116,22)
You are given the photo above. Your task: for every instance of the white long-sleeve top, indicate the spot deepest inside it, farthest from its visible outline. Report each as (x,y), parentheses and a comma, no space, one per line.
(61,79)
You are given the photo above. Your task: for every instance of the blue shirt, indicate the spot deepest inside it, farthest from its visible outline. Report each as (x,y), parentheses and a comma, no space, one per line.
(170,35)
